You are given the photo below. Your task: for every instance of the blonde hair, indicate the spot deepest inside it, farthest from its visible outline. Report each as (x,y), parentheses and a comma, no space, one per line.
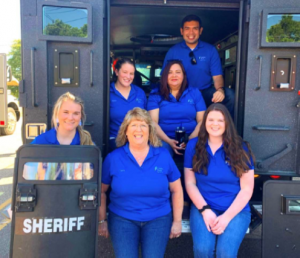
(140,115)
(85,137)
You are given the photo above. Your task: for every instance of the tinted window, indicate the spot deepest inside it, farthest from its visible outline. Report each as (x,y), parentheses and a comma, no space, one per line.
(283,28)
(65,21)
(58,171)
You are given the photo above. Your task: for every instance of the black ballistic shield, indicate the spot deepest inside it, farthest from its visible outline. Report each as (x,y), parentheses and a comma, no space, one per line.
(56,195)
(281,219)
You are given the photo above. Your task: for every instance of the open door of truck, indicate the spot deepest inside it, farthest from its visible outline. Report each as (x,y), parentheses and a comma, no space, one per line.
(272,101)
(63,49)
(56,195)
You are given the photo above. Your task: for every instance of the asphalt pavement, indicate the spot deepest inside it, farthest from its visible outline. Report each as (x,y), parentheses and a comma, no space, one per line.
(180,247)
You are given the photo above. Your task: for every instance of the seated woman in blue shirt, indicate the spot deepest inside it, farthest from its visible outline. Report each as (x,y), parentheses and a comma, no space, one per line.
(124,96)
(174,106)
(67,128)
(219,178)
(142,177)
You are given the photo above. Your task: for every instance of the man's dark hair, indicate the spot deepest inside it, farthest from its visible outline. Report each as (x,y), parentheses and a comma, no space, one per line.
(191,17)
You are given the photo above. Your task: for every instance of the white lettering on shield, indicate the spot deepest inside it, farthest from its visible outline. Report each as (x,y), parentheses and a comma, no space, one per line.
(53,225)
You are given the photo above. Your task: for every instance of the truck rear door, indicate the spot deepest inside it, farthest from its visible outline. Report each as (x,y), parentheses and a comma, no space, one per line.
(272,104)
(63,49)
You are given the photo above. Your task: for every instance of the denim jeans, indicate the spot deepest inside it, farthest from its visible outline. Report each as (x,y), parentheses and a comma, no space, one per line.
(226,245)
(229,100)
(127,235)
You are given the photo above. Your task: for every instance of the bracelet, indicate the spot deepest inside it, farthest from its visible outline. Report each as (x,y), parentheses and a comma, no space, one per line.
(221,89)
(205,207)
(102,221)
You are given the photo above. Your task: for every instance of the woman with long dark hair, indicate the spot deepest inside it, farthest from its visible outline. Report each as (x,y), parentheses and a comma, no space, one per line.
(124,96)
(175,105)
(219,178)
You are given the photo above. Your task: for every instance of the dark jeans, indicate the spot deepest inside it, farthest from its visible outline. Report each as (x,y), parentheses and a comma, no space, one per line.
(127,235)
(228,101)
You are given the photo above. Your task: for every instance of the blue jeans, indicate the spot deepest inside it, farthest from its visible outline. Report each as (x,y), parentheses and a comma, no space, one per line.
(127,235)
(228,100)
(225,245)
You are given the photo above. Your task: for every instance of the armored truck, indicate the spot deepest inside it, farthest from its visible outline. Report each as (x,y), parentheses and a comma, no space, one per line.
(70,46)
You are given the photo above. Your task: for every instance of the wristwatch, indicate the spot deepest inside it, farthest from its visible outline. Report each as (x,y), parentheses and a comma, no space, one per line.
(102,221)
(205,207)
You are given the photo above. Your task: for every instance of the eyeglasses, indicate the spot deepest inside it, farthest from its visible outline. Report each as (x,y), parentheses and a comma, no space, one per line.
(193,58)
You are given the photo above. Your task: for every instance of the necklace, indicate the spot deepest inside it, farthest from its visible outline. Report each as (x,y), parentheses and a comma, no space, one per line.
(140,155)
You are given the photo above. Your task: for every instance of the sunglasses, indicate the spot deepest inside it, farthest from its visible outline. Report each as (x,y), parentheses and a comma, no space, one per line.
(193,58)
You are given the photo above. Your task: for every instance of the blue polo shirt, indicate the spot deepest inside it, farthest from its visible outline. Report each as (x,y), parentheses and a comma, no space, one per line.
(173,113)
(220,186)
(139,193)
(208,63)
(50,138)
(119,106)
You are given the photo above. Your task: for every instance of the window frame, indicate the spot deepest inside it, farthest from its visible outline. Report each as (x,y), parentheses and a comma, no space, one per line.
(41,36)
(263,29)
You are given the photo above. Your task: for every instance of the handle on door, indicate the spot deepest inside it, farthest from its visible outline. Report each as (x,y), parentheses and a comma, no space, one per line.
(259,73)
(91,69)
(34,104)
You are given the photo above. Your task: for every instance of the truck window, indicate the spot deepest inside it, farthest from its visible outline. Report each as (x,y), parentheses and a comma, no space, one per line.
(283,28)
(65,21)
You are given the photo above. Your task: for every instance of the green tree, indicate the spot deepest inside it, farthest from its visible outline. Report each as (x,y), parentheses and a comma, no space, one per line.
(287,30)
(14,61)
(59,28)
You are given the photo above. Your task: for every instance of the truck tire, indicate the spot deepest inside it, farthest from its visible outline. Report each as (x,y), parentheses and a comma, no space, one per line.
(12,122)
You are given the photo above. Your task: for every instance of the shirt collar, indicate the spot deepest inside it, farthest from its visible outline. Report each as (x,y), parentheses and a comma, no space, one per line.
(152,152)
(51,137)
(113,89)
(209,150)
(199,45)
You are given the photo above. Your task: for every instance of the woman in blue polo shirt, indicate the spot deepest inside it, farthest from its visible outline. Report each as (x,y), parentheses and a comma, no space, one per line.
(174,106)
(142,177)
(124,96)
(67,129)
(219,178)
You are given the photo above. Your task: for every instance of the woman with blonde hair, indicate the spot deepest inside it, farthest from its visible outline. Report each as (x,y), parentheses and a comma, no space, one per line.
(67,129)
(142,176)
